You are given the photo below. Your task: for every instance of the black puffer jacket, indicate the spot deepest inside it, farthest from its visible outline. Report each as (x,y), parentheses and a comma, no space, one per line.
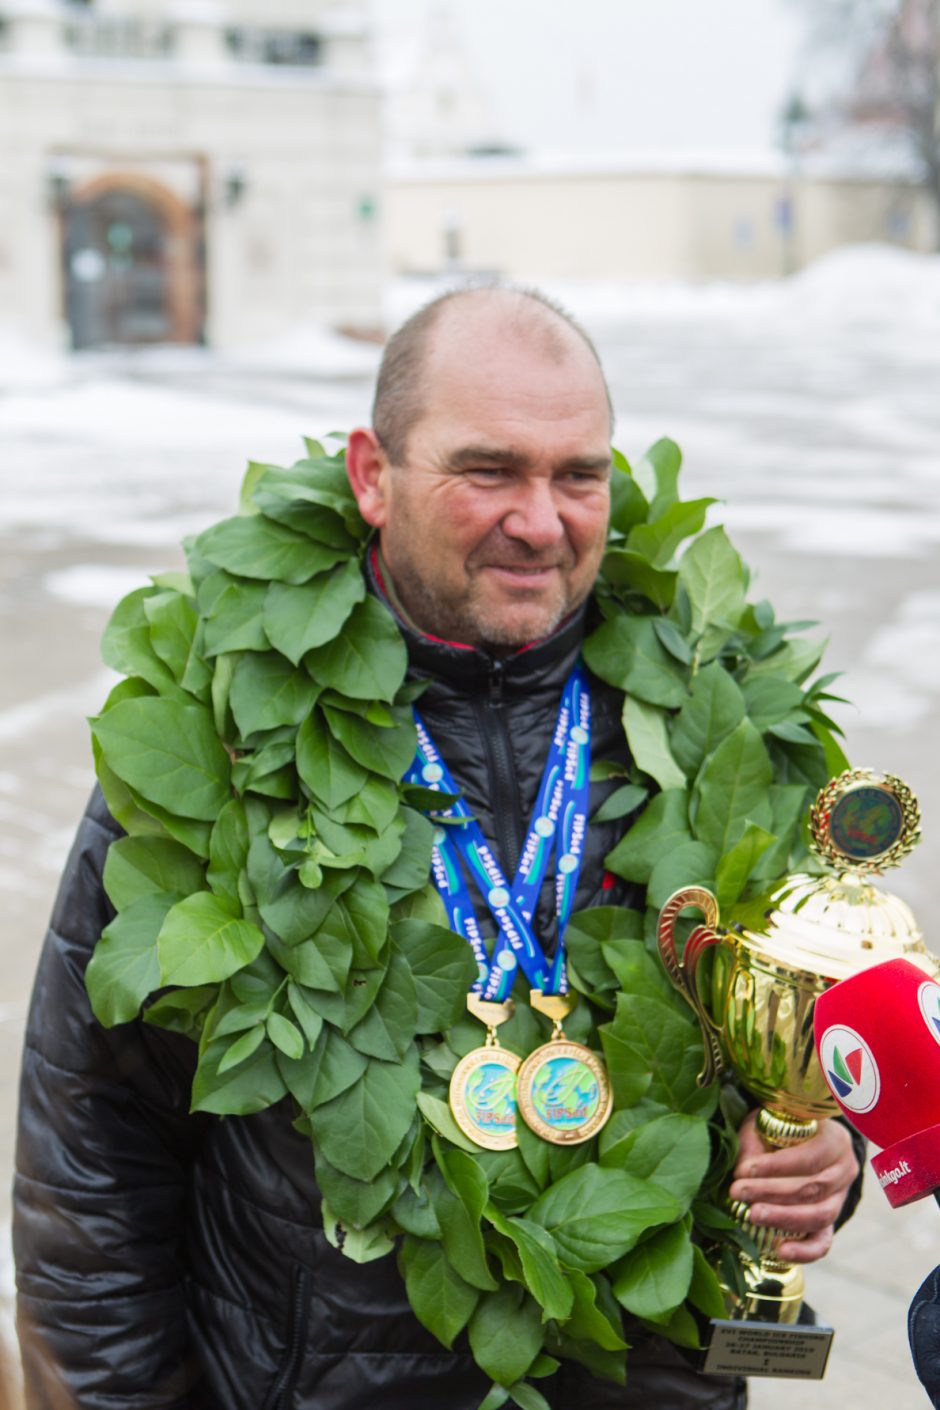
(166,1260)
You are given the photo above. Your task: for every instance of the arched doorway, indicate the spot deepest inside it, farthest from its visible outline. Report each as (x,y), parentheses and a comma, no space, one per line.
(134,265)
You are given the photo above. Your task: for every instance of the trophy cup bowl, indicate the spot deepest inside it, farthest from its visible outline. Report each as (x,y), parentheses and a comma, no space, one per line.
(771,959)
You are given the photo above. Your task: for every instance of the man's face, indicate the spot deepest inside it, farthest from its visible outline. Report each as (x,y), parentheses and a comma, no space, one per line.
(494,528)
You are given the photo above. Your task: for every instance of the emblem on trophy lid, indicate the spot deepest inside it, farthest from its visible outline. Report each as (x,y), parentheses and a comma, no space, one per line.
(864,822)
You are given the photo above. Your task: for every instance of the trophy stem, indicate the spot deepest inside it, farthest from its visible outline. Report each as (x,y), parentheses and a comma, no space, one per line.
(777,1130)
(774,1287)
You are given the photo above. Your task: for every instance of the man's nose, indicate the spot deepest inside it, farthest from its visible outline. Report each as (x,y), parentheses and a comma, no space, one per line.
(534,516)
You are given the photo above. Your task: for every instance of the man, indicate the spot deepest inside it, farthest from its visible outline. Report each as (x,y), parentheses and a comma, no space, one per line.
(176,1261)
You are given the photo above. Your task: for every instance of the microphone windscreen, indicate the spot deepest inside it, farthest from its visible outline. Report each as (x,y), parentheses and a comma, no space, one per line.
(878,1040)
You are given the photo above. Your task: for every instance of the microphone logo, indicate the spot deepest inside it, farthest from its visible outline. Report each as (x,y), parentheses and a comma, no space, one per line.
(850,1068)
(928,996)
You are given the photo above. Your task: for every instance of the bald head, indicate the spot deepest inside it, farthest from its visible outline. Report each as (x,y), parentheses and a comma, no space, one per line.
(453,327)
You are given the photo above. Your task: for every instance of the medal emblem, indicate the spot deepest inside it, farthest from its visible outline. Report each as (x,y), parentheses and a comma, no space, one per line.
(563,1092)
(864,822)
(562,1089)
(483,1097)
(483,1085)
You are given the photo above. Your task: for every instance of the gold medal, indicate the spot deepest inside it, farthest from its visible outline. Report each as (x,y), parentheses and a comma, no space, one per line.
(483,1086)
(563,1090)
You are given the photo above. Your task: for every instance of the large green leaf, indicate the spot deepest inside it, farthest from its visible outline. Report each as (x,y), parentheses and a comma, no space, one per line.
(589,931)
(627,653)
(674,1151)
(389,1025)
(439,1297)
(506,1334)
(770,699)
(629,1077)
(628,504)
(731,789)
(658,540)
(176,638)
(624,569)
(140,866)
(329,772)
(228,851)
(668,1046)
(715,579)
(358,919)
(539,1257)
(323,1073)
(688,864)
(658,475)
(384,751)
(443,969)
(367,661)
(255,547)
(711,712)
(645,727)
(124,968)
(459,1205)
(316,480)
(595,1215)
(268,691)
(203,942)
(127,645)
(356,1202)
(297,619)
(662,826)
(240,1091)
(360,1130)
(236,618)
(410,869)
(169,753)
(589,1320)
(739,864)
(655,1277)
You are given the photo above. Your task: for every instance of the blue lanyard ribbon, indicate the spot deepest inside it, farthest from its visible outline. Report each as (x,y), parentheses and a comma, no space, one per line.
(559,824)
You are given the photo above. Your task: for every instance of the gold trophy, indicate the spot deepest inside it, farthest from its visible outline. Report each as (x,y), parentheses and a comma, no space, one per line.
(772,956)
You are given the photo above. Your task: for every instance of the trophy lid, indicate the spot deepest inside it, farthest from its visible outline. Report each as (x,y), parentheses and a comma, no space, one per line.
(837,924)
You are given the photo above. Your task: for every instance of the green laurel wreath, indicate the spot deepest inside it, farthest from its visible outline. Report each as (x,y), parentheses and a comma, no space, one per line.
(272,893)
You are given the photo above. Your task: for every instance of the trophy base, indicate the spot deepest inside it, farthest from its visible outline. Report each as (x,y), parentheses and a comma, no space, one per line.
(774,1294)
(744,1348)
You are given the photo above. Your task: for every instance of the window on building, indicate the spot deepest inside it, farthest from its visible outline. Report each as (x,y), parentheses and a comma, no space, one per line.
(116,36)
(275,46)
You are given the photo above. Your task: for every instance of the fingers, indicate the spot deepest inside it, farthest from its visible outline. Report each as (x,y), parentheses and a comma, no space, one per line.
(806,1250)
(800,1189)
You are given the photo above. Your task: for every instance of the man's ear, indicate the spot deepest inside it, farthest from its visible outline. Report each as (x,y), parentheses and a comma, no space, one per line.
(367,468)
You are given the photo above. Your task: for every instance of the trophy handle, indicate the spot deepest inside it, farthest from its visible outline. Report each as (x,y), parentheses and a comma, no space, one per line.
(683,972)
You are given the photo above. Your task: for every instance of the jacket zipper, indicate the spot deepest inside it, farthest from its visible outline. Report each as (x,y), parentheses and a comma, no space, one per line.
(507,819)
(283,1388)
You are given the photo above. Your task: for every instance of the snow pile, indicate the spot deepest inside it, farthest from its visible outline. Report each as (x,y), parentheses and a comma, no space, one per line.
(23,367)
(877,285)
(314,351)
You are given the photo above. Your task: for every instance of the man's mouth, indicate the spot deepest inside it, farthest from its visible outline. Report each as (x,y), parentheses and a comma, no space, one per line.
(525,574)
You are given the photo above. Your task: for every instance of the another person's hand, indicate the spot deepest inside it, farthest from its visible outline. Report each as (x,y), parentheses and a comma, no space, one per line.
(800,1189)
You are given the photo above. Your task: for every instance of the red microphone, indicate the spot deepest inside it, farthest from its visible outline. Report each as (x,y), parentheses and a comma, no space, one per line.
(878,1040)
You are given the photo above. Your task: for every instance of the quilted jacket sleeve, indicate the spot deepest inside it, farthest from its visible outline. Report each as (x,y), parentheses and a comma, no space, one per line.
(103,1146)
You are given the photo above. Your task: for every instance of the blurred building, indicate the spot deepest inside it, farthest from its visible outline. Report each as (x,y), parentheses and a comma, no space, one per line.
(667,216)
(205,171)
(461,198)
